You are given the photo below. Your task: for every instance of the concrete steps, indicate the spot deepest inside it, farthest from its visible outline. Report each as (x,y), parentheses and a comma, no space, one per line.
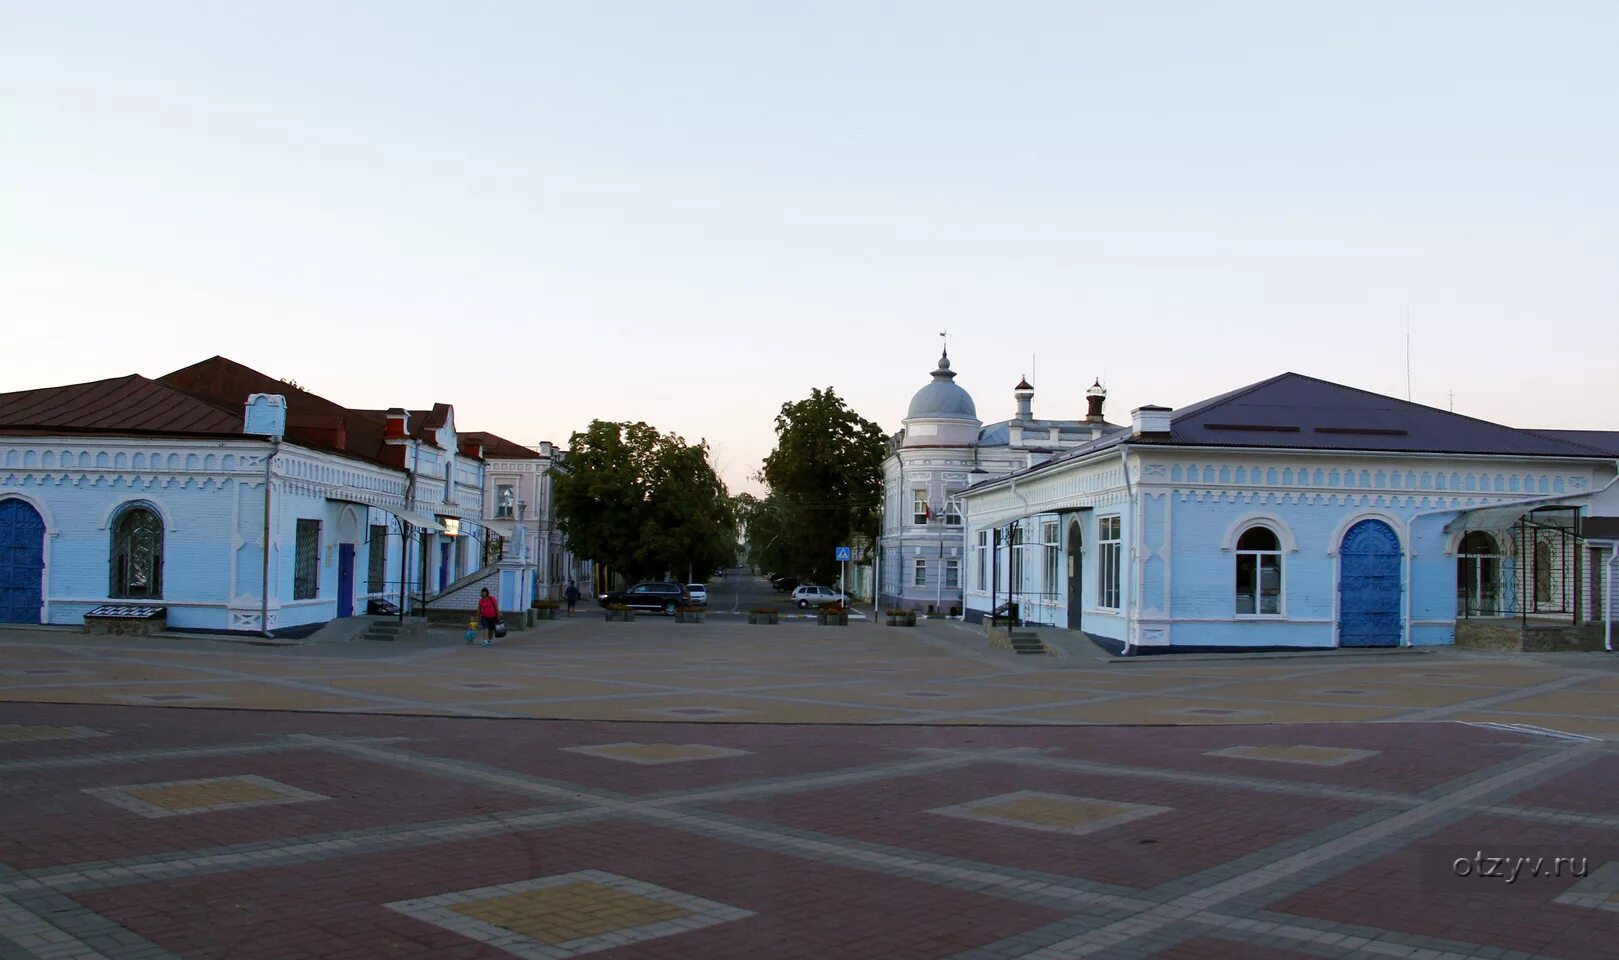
(413,628)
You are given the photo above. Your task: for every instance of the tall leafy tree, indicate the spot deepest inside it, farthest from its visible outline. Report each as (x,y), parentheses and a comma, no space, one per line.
(645,503)
(825,480)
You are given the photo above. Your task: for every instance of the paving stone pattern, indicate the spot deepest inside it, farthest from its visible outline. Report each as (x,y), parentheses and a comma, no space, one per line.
(726,672)
(156,833)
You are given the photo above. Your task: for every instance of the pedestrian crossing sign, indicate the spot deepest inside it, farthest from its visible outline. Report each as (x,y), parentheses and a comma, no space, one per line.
(844,554)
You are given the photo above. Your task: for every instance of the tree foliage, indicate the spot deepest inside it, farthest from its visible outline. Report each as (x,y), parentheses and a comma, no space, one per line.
(645,503)
(825,487)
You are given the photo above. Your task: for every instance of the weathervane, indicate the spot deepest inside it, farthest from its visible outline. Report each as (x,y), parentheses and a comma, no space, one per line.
(945,336)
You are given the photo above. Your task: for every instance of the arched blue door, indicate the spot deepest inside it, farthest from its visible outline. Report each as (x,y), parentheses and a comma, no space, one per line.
(22,558)
(1369,586)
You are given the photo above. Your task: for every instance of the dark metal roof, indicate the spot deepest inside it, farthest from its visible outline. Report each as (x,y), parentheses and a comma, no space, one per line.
(312,420)
(497,446)
(131,405)
(1599,528)
(1297,412)
(1605,441)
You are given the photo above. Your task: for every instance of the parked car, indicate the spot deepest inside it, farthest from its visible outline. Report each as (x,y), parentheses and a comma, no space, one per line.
(807,595)
(783,584)
(697,594)
(651,595)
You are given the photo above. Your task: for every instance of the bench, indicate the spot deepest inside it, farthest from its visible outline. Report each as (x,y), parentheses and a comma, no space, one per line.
(126,620)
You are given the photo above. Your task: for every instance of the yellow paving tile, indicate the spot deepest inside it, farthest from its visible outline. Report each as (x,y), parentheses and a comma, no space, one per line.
(29,733)
(213,793)
(557,914)
(1296,753)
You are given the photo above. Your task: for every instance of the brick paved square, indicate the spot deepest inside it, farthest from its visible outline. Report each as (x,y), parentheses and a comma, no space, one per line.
(1296,753)
(652,754)
(1193,827)
(1417,890)
(1599,891)
(32,733)
(568,915)
(1033,810)
(181,797)
(788,906)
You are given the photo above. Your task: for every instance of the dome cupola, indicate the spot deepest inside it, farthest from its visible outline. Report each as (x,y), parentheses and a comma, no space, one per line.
(942,399)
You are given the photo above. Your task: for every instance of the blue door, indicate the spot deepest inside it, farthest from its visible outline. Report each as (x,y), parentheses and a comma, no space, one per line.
(1369,586)
(345,579)
(443,565)
(22,559)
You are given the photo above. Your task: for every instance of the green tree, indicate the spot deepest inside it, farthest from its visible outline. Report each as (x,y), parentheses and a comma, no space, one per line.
(645,503)
(825,478)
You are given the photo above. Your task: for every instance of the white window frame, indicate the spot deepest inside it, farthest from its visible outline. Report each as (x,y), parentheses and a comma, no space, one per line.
(1051,544)
(1109,553)
(952,510)
(1258,576)
(983,559)
(506,512)
(919,575)
(952,574)
(919,507)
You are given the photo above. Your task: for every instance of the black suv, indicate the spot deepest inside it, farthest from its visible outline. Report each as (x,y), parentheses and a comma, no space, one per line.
(651,595)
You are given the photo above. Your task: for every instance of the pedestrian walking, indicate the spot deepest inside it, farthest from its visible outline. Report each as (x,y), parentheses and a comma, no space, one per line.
(489,613)
(572,593)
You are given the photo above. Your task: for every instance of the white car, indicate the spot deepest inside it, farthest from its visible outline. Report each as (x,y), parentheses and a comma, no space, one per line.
(806,595)
(697,594)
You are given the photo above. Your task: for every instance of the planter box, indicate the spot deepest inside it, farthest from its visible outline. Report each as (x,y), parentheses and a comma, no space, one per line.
(908,621)
(832,619)
(695,616)
(620,616)
(545,613)
(761,618)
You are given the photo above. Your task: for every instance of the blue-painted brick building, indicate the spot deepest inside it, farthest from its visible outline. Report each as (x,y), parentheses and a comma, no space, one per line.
(232,500)
(1297,513)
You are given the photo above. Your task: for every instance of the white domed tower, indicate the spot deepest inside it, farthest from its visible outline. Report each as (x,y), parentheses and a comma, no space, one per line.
(942,413)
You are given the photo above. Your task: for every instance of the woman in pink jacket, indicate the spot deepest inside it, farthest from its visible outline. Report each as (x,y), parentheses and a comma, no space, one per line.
(489,613)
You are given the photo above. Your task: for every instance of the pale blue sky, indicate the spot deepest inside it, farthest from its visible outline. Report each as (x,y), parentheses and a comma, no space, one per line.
(690,212)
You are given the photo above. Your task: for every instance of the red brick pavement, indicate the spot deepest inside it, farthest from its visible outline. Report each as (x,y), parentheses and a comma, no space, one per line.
(334,908)
(802,908)
(1414,891)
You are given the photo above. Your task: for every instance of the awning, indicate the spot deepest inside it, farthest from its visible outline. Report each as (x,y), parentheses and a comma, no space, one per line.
(1501,515)
(419,520)
(503,528)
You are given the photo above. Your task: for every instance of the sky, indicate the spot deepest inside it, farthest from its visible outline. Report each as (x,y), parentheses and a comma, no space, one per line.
(690,213)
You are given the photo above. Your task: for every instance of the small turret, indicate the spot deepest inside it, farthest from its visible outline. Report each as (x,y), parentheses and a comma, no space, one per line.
(1094,398)
(1025,400)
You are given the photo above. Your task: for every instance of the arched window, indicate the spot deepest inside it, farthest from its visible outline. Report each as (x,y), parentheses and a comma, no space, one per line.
(1259,573)
(137,555)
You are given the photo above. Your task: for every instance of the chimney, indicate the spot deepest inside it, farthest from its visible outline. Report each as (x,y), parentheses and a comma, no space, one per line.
(266,415)
(398,424)
(1150,421)
(545,448)
(1094,397)
(1025,397)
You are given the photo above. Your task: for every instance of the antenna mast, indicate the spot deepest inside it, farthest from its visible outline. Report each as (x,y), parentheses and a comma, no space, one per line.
(1408,354)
